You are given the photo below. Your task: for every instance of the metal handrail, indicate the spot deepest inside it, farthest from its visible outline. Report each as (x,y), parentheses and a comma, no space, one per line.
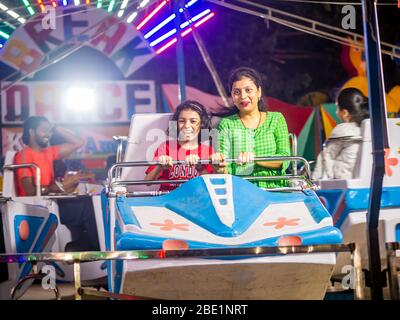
(152,163)
(27,165)
(77,257)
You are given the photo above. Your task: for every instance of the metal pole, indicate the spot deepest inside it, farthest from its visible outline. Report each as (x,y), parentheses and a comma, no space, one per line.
(180,58)
(209,63)
(377,111)
(77,279)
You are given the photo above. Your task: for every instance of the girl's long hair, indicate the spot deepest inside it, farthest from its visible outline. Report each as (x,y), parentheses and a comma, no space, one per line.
(355,103)
(205,122)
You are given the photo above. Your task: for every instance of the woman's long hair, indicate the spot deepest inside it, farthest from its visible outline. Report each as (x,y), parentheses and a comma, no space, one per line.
(355,103)
(236,75)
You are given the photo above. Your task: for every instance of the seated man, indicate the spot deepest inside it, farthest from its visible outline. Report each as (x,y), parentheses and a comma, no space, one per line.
(77,214)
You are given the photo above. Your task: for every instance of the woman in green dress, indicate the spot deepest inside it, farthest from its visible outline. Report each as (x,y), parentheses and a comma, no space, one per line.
(251,131)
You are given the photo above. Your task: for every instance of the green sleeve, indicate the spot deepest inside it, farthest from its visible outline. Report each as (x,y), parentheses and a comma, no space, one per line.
(224,140)
(281,134)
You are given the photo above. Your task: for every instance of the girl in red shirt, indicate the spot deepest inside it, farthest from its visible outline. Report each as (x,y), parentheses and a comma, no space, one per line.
(190,117)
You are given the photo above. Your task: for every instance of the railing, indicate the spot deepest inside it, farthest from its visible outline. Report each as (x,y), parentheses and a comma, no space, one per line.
(28,165)
(77,257)
(114,176)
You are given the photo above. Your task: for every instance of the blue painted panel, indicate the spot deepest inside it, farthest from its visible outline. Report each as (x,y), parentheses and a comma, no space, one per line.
(398,232)
(131,241)
(193,202)
(23,246)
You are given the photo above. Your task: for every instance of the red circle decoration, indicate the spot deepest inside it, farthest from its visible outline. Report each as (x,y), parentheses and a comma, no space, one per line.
(289,241)
(173,244)
(24,230)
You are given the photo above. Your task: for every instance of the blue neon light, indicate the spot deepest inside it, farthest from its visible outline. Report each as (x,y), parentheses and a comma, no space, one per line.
(162,24)
(165,36)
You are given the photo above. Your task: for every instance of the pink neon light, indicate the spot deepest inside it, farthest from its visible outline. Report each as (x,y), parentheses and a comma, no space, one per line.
(204,19)
(162,4)
(166,46)
(186,32)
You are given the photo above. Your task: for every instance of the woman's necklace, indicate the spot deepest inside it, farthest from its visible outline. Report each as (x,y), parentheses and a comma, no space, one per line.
(258,124)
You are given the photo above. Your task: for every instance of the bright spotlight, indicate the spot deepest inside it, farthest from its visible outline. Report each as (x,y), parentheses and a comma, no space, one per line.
(80,99)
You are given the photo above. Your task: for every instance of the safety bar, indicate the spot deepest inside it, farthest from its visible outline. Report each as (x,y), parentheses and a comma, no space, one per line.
(153,163)
(77,257)
(118,157)
(27,165)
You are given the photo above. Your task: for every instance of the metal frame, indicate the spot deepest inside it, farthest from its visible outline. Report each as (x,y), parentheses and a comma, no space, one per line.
(28,165)
(393,263)
(293,138)
(77,257)
(114,176)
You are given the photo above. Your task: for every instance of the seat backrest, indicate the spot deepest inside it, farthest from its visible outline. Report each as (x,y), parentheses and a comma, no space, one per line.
(8,176)
(146,133)
(363,167)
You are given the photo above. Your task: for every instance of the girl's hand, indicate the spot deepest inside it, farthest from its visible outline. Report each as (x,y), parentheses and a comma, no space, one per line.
(192,159)
(218,162)
(165,162)
(245,157)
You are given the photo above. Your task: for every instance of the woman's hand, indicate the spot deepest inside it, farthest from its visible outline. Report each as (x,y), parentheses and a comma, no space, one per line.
(218,163)
(165,162)
(245,158)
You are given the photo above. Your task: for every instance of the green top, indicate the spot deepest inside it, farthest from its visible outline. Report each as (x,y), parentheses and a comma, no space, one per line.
(271,138)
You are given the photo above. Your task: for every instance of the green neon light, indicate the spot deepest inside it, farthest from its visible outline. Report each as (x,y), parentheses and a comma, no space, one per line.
(111,6)
(4,35)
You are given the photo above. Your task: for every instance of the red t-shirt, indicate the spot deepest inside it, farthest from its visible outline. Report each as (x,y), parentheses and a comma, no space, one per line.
(180,171)
(43,159)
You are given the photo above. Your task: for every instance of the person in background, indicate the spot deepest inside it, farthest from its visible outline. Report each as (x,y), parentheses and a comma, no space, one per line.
(338,158)
(76,213)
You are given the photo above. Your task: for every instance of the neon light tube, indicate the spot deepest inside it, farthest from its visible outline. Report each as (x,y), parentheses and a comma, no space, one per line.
(145,20)
(162,24)
(4,35)
(163,37)
(166,46)
(111,6)
(204,20)
(143,3)
(132,17)
(184,33)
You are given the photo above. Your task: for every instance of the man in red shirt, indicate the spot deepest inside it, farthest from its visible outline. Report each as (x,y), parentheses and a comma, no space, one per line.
(36,137)
(77,214)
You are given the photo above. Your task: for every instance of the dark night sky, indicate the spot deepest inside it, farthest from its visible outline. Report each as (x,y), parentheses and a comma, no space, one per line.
(233,39)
